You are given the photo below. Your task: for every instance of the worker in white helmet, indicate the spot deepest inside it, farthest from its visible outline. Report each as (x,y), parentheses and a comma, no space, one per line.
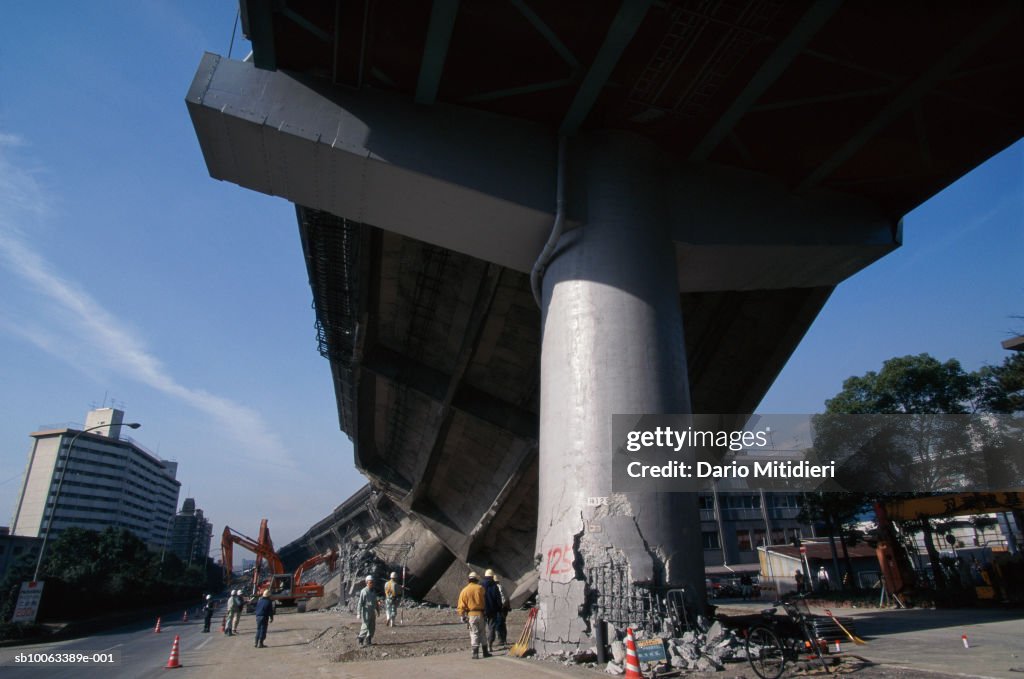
(391,592)
(369,602)
(208,607)
(234,612)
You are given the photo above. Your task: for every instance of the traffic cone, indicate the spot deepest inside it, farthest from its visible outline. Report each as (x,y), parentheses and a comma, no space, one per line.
(964,639)
(172,662)
(184,618)
(157,629)
(222,623)
(632,663)
(839,649)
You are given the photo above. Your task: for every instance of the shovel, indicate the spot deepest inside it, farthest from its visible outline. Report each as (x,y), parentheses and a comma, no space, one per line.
(853,637)
(520,648)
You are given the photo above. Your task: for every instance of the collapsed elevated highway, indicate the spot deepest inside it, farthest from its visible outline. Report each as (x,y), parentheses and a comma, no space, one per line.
(718,168)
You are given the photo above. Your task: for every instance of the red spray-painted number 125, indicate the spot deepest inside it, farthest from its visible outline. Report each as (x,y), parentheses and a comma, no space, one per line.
(560,560)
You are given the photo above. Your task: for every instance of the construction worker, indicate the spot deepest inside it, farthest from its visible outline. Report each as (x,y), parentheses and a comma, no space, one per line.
(391,590)
(823,579)
(234,612)
(471,608)
(207,613)
(264,616)
(506,607)
(493,613)
(369,602)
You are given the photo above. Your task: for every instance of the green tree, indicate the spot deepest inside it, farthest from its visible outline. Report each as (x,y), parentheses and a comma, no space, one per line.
(908,385)
(918,451)
(918,385)
(1001,388)
(86,571)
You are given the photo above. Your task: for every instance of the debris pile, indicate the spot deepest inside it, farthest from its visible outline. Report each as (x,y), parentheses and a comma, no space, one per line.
(701,651)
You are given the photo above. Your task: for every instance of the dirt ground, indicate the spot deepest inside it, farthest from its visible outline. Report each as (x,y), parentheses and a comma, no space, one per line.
(431,631)
(419,632)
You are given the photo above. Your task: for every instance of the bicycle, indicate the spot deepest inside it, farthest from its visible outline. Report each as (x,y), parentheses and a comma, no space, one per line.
(775,640)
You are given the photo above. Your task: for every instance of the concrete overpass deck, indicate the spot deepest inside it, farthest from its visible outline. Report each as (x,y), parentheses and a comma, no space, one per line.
(727,165)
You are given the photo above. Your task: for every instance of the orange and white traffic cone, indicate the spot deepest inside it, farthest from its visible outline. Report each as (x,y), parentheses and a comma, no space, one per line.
(223,621)
(632,662)
(964,639)
(157,628)
(172,662)
(184,618)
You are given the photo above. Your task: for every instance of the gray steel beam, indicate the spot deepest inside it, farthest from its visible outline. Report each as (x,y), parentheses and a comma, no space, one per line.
(911,94)
(305,23)
(515,91)
(631,14)
(258,27)
(819,12)
(435,51)
(548,34)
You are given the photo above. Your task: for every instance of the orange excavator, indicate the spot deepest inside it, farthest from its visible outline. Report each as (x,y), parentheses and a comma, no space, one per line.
(286,588)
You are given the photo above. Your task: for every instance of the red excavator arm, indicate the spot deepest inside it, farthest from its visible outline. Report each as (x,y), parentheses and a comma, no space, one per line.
(312,589)
(263,548)
(284,587)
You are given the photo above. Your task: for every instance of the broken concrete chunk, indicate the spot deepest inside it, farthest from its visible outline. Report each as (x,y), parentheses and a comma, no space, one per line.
(614,668)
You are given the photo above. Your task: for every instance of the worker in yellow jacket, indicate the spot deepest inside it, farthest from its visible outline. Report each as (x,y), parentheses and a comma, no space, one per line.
(471,608)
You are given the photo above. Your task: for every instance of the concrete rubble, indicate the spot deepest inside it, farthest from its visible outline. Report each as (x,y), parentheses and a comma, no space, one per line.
(702,651)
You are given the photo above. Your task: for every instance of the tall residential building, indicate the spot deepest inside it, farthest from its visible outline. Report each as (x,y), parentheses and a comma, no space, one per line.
(190,537)
(109,480)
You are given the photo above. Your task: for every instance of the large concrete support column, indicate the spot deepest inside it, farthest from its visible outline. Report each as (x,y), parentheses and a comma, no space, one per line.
(612,343)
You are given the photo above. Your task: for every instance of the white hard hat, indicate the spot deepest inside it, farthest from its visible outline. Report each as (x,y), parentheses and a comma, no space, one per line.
(369,578)
(473,575)
(207,596)
(488,573)
(394,574)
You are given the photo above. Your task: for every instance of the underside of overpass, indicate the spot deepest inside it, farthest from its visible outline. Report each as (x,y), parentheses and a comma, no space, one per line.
(726,165)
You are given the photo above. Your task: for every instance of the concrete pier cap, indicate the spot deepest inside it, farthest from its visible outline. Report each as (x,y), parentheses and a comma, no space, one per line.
(612,343)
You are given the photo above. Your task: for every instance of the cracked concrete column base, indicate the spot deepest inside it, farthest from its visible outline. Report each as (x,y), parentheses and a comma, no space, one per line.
(612,343)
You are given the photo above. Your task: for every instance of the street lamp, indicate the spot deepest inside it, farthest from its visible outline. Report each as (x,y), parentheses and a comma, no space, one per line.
(60,483)
(167,529)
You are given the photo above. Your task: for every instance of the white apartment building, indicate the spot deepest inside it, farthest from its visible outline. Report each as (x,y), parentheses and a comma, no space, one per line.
(109,480)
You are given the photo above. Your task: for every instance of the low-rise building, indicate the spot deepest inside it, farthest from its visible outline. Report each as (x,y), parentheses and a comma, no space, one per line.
(735,524)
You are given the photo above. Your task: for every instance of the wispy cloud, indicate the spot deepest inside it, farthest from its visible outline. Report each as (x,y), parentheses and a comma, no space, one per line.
(65,321)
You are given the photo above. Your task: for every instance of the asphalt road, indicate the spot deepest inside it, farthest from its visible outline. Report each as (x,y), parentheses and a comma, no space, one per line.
(137,651)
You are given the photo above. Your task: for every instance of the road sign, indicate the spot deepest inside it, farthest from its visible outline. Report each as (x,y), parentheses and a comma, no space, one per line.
(650,650)
(28,602)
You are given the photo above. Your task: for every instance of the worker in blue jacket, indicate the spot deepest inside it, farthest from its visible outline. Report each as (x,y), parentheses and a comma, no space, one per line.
(264,616)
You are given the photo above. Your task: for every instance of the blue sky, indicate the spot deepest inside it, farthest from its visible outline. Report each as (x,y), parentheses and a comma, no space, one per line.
(127,273)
